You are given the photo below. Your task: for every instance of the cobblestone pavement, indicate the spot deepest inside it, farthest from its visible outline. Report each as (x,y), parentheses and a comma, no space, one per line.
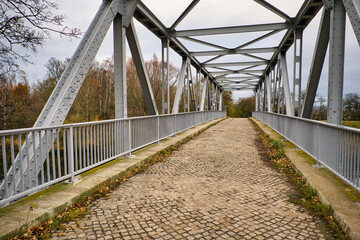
(216,186)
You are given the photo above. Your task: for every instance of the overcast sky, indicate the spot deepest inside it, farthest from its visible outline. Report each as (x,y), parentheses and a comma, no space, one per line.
(207,13)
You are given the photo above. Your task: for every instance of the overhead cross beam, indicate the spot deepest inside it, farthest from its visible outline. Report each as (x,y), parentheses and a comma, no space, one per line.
(235,51)
(235,29)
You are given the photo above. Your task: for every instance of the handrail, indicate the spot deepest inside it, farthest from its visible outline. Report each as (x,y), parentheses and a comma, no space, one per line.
(333,146)
(35,158)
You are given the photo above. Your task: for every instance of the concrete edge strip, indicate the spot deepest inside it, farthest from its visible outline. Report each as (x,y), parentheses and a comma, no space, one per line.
(343,224)
(60,208)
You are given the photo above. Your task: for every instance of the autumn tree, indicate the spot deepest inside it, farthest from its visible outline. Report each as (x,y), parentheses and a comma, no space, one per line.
(351,107)
(136,102)
(244,107)
(228,103)
(26,25)
(15,101)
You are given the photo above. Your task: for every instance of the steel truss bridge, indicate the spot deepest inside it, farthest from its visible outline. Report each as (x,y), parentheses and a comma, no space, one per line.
(51,152)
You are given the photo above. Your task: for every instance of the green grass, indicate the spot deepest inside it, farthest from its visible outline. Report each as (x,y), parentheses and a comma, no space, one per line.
(305,196)
(354,124)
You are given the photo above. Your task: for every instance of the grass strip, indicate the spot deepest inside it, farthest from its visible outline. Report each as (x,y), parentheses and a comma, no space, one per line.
(306,195)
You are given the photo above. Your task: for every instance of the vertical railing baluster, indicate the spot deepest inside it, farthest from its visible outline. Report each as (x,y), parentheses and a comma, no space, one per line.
(47,158)
(86,145)
(71,154)
(28,170)
(98,143)
(6,180)
(101,142)
(13,172)
(130,137)
(65,152)
(76,166)
(41,158)
(20,164)
(53,153)
(58,151)
(36,175)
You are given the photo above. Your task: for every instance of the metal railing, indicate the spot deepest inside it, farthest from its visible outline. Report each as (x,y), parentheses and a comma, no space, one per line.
(333,146)
(35,158)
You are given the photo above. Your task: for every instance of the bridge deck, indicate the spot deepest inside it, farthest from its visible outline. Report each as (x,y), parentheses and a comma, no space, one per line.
(217,186)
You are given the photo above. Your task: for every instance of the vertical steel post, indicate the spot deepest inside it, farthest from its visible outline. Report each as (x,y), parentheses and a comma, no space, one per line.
(120,68)
(256,100)
(297,69)
(203,94)
(197,94)
(336,63)
(286,88)
(216,98)
(165,93)
(221,101)
(268,92)
(71,154)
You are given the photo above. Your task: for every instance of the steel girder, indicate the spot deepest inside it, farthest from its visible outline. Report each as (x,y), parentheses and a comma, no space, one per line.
(274,9)
(141,70)
(316,64)
(120,68)
(352,8)
(285,79)
(165,86)
(228,30)
(180,85)
(336,63)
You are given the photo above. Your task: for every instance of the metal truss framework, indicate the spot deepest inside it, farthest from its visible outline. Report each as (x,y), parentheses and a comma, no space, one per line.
(266,76)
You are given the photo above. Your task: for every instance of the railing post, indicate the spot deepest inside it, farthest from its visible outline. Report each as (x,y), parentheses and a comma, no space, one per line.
(158,129)
(175,126)
(318,146)
(71,154)
(130,138)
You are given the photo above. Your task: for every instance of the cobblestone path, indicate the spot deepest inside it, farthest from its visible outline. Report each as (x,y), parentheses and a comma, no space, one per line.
(216,186)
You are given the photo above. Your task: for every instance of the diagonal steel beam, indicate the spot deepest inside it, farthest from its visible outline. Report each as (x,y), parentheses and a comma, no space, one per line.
(235,29)
(307,12)
(352,8)
(205,43)
(316,64)
(183,15)
(258,39)
(236,71)
(274,9)
(141,69)
(180,86)
(154,25)
(238,51)
(285,79)
(204,93)
(247,44)
(235,64)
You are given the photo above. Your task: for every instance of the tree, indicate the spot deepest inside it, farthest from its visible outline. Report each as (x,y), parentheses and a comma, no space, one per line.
(55,68)
(25,25)
(228,103)
(321,112)
(244,107)
(15,102)
(136,102)
(351,107)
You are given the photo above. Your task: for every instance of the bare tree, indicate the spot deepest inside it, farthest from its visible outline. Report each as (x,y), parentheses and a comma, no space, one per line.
(26,24)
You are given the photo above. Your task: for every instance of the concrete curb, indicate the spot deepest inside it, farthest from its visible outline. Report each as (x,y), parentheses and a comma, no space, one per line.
(325,198)
(51,201)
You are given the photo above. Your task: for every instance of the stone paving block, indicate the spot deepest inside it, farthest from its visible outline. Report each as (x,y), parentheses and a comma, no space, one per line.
(217,186)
